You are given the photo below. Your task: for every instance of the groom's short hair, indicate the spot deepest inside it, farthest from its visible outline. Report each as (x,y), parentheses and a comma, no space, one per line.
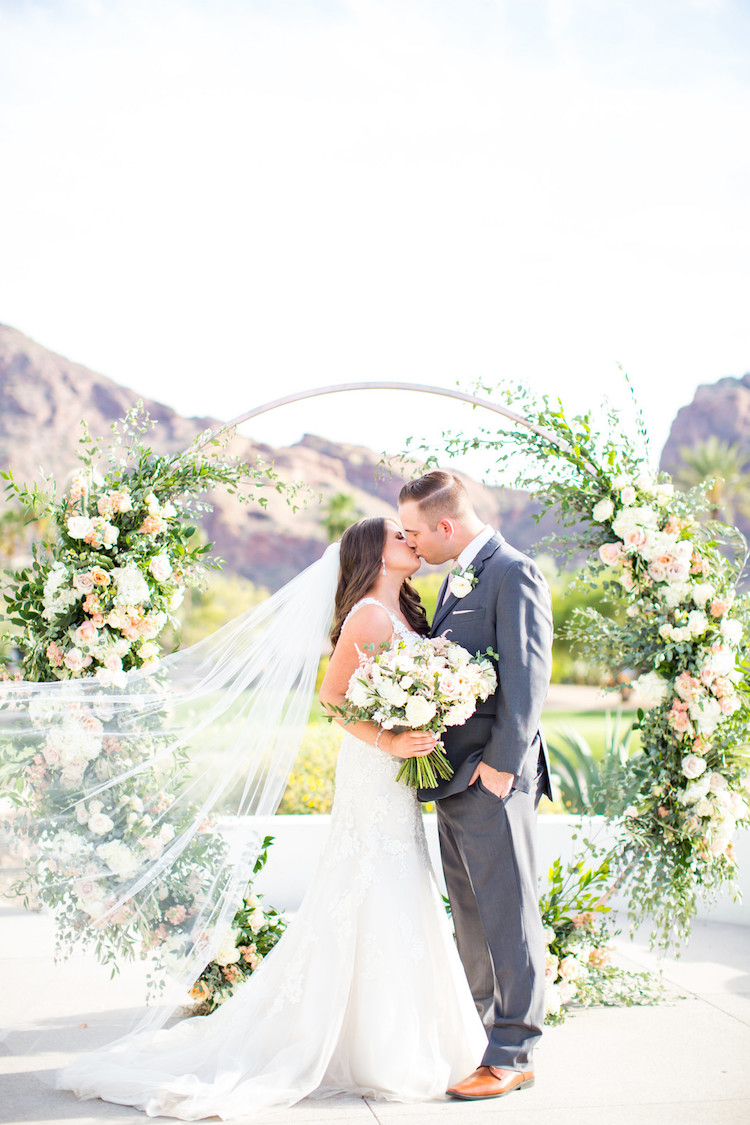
(439,494)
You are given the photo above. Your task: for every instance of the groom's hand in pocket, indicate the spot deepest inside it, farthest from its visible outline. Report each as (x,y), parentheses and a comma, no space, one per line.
(496,781)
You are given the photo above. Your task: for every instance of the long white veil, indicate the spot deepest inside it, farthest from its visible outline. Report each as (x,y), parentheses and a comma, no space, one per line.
(124,838)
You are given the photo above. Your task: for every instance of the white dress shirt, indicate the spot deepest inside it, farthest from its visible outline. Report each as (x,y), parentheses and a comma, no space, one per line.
(471,550)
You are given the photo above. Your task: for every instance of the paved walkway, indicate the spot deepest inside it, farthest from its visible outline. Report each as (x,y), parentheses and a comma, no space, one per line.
(685,1062)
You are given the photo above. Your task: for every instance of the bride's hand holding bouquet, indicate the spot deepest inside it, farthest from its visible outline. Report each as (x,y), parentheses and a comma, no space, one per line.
(425,684)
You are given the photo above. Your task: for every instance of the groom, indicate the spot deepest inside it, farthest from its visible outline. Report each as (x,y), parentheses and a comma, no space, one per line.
(487,811)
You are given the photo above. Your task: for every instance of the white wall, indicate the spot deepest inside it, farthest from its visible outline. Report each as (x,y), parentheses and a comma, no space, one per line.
(299,840)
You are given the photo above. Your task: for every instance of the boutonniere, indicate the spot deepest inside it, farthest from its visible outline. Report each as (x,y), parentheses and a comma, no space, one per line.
(462,582)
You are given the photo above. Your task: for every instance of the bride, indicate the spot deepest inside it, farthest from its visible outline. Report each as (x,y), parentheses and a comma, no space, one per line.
(365,993)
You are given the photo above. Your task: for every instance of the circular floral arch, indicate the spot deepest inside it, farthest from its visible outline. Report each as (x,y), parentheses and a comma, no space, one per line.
(678,620)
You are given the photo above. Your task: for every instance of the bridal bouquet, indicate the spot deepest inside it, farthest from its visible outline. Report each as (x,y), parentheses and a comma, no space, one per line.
(427,684)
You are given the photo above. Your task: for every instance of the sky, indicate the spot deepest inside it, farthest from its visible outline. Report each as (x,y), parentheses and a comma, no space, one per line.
(220,202)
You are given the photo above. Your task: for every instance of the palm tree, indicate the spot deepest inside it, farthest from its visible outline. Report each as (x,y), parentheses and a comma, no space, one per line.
(338,512)
(724,467)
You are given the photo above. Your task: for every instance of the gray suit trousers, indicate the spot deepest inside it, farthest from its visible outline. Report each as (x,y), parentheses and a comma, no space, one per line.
(488,852)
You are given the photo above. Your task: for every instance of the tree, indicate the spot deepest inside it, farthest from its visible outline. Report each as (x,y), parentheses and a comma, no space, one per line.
(338,512)
(723,465)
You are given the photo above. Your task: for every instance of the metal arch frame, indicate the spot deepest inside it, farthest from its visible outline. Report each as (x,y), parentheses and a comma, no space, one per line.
(424,388)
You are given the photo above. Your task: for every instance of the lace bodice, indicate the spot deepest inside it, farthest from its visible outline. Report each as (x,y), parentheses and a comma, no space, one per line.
(399,627)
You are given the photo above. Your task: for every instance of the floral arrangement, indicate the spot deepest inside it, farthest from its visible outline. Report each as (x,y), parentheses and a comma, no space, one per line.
(253,933)
(578,958)
(92,604)
(677,621)
(424,684)
(461,582)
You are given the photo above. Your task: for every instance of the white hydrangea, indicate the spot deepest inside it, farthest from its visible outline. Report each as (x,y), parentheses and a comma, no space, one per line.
(651,688)
(731,631)
(130,585)
(118,857)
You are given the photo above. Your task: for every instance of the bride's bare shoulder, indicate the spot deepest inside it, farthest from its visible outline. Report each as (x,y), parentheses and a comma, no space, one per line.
(367,623)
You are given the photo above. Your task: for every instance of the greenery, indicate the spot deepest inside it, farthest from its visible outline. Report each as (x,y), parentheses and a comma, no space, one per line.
(677,622)
(339,511)
(579,967)
(94,601)
(591,783)
(253,933)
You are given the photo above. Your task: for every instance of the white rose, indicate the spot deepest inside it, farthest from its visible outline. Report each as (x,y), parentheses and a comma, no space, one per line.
(693,766)
(459,585)
(100,824)
(419,711)
(79,527)
(358,693)
(256,921)
(109,678)
(634,517)
(160,567)
(717,782)
(703,592)
(627,495)
(693,791)
(227,954)
(603,510)
(393,694)
(663,493)
(703,807)
(697,622)
(74,660)
(706,715)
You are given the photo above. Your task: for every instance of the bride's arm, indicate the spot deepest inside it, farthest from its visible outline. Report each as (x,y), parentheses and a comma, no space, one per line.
(366,631)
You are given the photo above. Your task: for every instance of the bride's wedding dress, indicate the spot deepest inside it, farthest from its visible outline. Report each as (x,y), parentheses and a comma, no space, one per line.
(364,994)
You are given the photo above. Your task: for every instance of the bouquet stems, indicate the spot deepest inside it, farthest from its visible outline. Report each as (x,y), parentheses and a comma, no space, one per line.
(426,770)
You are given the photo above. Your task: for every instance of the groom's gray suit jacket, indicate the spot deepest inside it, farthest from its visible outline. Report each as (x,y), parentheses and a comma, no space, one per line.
(508,610)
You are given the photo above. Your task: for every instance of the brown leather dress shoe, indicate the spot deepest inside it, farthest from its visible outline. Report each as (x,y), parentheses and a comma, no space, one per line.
(491,1082)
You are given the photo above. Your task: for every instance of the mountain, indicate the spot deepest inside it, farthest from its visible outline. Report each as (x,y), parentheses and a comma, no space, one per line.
(44,396)
(721,409)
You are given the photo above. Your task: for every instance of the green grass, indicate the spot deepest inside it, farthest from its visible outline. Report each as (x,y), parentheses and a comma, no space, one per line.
(592,725)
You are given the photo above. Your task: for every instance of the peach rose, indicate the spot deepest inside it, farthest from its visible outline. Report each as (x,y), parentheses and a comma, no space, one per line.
(86,634)
(610,553)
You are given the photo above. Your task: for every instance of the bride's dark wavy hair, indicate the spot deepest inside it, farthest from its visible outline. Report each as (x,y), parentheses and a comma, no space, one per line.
(360,560)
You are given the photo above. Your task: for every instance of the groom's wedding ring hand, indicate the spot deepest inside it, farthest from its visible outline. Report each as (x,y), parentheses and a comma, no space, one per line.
(410,743)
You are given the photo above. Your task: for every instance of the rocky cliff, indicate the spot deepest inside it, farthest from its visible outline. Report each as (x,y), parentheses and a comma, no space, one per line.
(721,409)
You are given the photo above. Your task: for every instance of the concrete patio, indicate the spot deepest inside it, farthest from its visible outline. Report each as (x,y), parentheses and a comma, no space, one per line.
(683,1062)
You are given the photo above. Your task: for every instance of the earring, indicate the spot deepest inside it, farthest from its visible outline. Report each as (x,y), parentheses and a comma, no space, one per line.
(383,567)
